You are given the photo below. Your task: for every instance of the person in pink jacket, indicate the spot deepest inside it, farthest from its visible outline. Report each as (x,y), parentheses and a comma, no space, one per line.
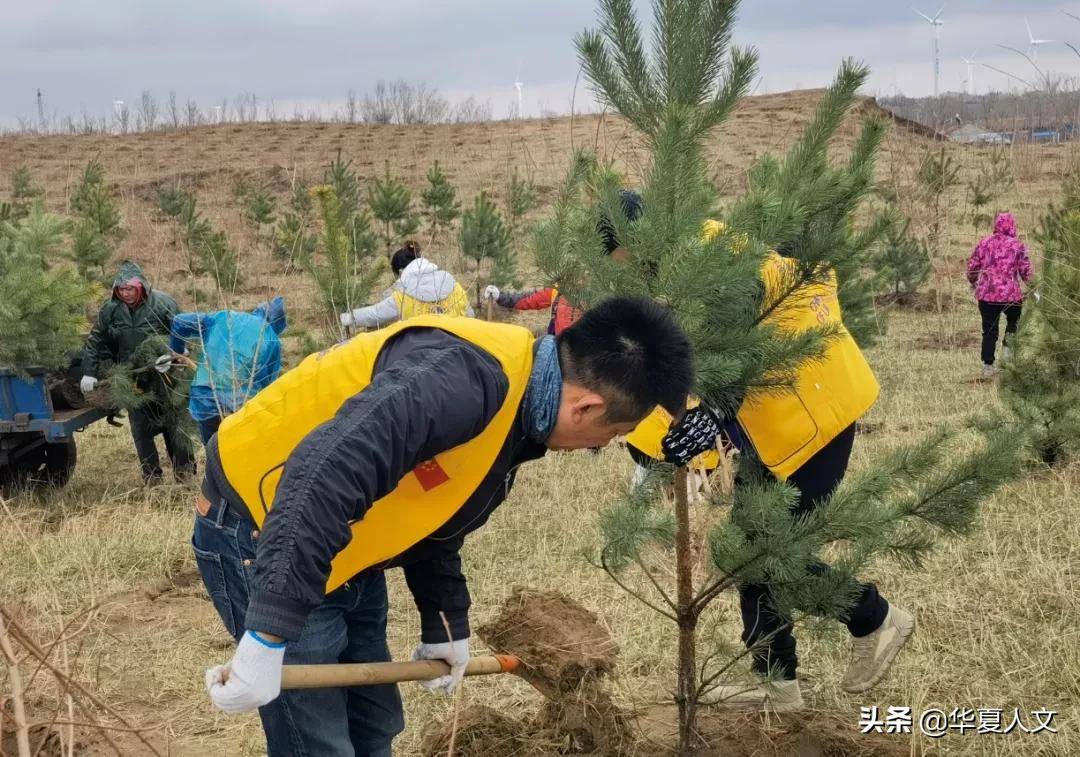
(997,266)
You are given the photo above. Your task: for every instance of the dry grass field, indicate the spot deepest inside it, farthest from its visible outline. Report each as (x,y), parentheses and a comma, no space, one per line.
(999,612)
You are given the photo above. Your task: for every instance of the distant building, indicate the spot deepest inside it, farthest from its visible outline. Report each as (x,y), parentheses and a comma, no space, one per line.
(970,134)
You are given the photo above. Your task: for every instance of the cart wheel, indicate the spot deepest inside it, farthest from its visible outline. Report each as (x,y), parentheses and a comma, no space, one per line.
(60,459)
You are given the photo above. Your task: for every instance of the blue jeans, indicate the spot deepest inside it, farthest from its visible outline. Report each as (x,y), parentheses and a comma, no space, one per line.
(350,626)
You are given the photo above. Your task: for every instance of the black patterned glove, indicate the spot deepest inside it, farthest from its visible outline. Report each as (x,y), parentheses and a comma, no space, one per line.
(696,433)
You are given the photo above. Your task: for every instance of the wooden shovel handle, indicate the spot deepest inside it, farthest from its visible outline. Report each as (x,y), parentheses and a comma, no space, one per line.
(371,673)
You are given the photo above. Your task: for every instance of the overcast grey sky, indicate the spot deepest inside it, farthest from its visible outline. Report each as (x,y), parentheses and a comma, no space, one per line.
(311,52)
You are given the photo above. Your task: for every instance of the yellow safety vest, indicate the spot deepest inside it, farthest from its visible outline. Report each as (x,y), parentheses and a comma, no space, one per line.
(788,428)
(255,442)
(456,304)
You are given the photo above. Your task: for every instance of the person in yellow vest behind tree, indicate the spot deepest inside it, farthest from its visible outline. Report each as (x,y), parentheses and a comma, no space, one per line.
(422,288)
(803,436)
(385,451)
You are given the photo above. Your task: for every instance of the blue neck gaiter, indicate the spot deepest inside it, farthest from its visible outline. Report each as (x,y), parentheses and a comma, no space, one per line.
(542,395)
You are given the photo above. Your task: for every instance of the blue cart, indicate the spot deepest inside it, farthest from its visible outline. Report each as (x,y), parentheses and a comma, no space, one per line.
(37,443)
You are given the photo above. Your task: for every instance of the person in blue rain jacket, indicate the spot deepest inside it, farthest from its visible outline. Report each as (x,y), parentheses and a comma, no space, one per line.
(241,354)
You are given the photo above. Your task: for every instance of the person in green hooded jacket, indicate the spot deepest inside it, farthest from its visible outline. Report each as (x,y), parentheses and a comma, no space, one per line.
(133,312)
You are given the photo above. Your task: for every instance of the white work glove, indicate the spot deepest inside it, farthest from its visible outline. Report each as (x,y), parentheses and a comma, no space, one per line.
(1036,295)
(251,679)
(87,384)
(491,292)
(163,363)
(347,319)
(455,653)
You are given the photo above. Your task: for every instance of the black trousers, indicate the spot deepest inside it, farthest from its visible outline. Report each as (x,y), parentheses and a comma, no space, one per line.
(146,423)
(991,318)
(765,630)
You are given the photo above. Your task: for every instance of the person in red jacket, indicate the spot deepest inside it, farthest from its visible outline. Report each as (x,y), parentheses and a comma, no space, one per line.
(563,313)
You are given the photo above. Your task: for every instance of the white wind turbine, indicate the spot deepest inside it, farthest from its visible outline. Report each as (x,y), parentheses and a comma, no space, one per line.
(520,86)
(970,72)
(936,23)
(1034,44)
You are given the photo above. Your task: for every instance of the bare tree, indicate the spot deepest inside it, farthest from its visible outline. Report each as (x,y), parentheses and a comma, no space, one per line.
(148,111)
(122,114)
(350,107)
(377,108)
(192,116)
(471,110)
(174,110)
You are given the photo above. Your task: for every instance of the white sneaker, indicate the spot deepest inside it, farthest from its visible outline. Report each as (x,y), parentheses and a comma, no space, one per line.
(1006,353)
(988,372)
(771,696)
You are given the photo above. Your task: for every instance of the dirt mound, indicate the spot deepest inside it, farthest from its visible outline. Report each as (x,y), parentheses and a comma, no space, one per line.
(565,654)
(484,732)
(734,733)
(585,721)
(561,645)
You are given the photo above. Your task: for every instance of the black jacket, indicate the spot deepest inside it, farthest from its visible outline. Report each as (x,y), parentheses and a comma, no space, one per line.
(430,392)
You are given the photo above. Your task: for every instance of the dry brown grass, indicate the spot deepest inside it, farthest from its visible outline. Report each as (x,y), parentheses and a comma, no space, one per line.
(999,612)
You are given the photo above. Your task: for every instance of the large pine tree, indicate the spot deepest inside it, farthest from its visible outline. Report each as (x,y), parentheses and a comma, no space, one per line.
(676,94)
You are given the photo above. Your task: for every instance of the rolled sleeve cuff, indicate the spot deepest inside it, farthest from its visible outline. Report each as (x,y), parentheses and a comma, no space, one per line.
(275,614)
(432,630)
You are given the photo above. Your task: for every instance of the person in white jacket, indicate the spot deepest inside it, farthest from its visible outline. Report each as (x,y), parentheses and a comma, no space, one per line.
(422,288)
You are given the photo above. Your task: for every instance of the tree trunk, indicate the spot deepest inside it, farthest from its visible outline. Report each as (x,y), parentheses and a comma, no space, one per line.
(686,696)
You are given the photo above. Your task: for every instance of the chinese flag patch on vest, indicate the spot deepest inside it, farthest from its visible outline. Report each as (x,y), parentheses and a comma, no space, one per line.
(430,474)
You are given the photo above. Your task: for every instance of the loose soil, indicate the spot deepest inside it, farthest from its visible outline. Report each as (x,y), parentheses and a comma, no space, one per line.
(565,654)
(561,644)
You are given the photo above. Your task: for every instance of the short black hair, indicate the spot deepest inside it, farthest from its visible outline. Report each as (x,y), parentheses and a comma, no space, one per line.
(631,208)
(409,252)
(631,351)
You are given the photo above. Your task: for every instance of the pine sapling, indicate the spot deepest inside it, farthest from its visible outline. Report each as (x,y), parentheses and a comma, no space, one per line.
(294,239)
(439,200)
(484,236)
(902,262)
(99,226)
(521,197)
(938,174)
(137,385)
(23,193)
(259,209)
(993,180)
(390,203)
(344,273)
(208,249)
